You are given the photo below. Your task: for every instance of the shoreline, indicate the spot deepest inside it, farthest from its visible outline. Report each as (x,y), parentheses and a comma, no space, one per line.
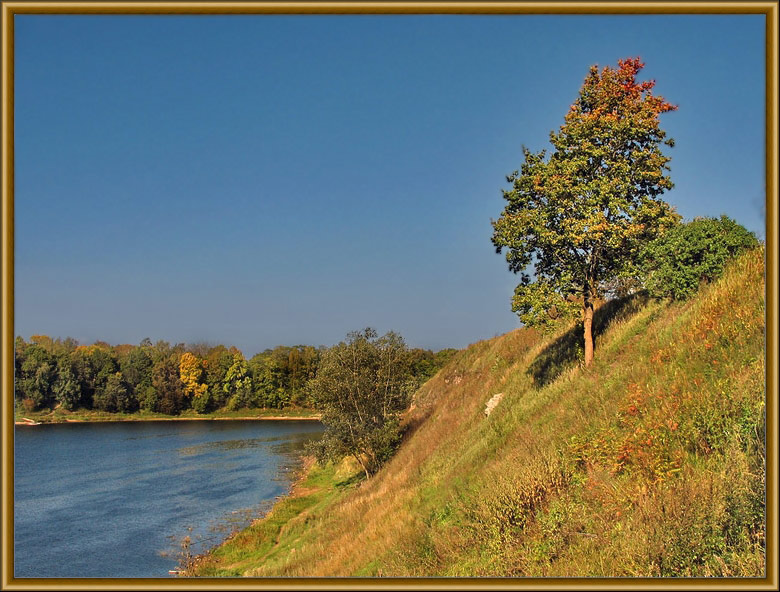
(295,489)
(62,420)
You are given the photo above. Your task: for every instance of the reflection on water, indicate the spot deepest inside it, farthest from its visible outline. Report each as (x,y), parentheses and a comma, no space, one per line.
(112,500)
(286,444)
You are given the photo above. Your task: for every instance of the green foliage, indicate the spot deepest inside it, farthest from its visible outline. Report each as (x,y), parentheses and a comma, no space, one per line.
(281,375)
(115,396)
(52,374)
(676,263)
(574,220)
(66,388)
(170,390)
(426,363)
(218,362)
(34,378)
(136,368)
(238,383)
(148,399)
(361,388)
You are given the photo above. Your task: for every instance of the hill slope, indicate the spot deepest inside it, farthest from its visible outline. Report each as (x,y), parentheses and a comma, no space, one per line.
(648,463)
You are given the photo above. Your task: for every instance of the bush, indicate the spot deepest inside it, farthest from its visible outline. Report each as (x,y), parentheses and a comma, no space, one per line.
(362,387)
(677,262)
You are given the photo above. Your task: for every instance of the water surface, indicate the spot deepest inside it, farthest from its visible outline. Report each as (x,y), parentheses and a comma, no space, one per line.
(116,499)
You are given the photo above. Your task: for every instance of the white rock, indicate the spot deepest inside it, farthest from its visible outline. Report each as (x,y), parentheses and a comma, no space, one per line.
(491,404)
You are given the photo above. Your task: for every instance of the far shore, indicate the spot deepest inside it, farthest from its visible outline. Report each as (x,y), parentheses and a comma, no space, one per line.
(60,419)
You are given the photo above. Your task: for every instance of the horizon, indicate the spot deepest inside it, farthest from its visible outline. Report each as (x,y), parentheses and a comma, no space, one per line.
(265,180)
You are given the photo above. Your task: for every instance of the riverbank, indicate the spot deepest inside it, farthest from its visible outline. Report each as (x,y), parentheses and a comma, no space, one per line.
(88,416)
(268,540)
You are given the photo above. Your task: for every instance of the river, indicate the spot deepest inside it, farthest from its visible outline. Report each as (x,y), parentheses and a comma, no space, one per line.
(116,499)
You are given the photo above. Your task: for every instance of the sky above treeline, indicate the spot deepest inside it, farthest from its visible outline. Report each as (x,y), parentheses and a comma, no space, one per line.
(266,180)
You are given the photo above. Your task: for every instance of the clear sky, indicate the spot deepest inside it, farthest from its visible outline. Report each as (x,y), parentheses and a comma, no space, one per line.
(269,180)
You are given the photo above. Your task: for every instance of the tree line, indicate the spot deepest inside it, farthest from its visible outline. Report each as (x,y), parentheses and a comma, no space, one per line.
(163,378)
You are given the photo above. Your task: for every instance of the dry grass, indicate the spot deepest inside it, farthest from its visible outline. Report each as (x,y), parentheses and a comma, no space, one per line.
(648,463)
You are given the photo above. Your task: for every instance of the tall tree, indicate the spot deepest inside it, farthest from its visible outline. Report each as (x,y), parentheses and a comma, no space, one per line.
(579,217)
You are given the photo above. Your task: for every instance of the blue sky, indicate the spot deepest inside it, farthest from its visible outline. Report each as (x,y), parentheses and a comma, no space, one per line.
(265,180)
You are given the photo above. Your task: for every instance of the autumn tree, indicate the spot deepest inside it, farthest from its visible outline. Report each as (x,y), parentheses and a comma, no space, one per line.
(191,371)
(578,217)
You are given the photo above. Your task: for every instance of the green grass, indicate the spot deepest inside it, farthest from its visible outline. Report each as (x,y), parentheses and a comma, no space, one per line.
(648,463)
(284,528)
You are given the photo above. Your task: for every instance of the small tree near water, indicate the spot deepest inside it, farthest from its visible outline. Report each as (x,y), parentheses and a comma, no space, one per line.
(362,386)
(579,217)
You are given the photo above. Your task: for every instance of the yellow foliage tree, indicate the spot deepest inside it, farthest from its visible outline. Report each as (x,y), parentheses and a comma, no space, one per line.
(191,373)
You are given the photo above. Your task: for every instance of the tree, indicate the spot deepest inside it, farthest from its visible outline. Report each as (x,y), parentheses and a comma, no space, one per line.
(136,368)
(362,386)
(268,380)
(280,376)
(66,387)
(579,217)
(689,254)
(218,362)
(238,383)
(191,374)
(93,364)
(167,384)
(35,378)
(115,396)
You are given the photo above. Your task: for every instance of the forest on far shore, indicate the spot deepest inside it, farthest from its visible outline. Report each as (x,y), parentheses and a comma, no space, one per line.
(163,378)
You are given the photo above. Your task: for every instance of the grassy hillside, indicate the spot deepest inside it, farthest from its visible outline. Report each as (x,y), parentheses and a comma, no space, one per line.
(648,463)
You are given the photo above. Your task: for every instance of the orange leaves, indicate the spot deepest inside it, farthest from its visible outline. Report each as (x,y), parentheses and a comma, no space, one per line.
(660,356)
(635,400)
(630,66)
(640,442)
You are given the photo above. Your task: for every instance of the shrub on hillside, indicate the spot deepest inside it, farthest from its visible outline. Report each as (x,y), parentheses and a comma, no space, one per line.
(677,262)
(362,387)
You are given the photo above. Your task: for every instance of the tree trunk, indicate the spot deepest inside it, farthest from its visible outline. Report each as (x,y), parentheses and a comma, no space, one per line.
(587,318)
(359,458)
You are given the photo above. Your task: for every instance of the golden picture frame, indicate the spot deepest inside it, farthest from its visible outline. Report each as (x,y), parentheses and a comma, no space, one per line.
(10,9)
